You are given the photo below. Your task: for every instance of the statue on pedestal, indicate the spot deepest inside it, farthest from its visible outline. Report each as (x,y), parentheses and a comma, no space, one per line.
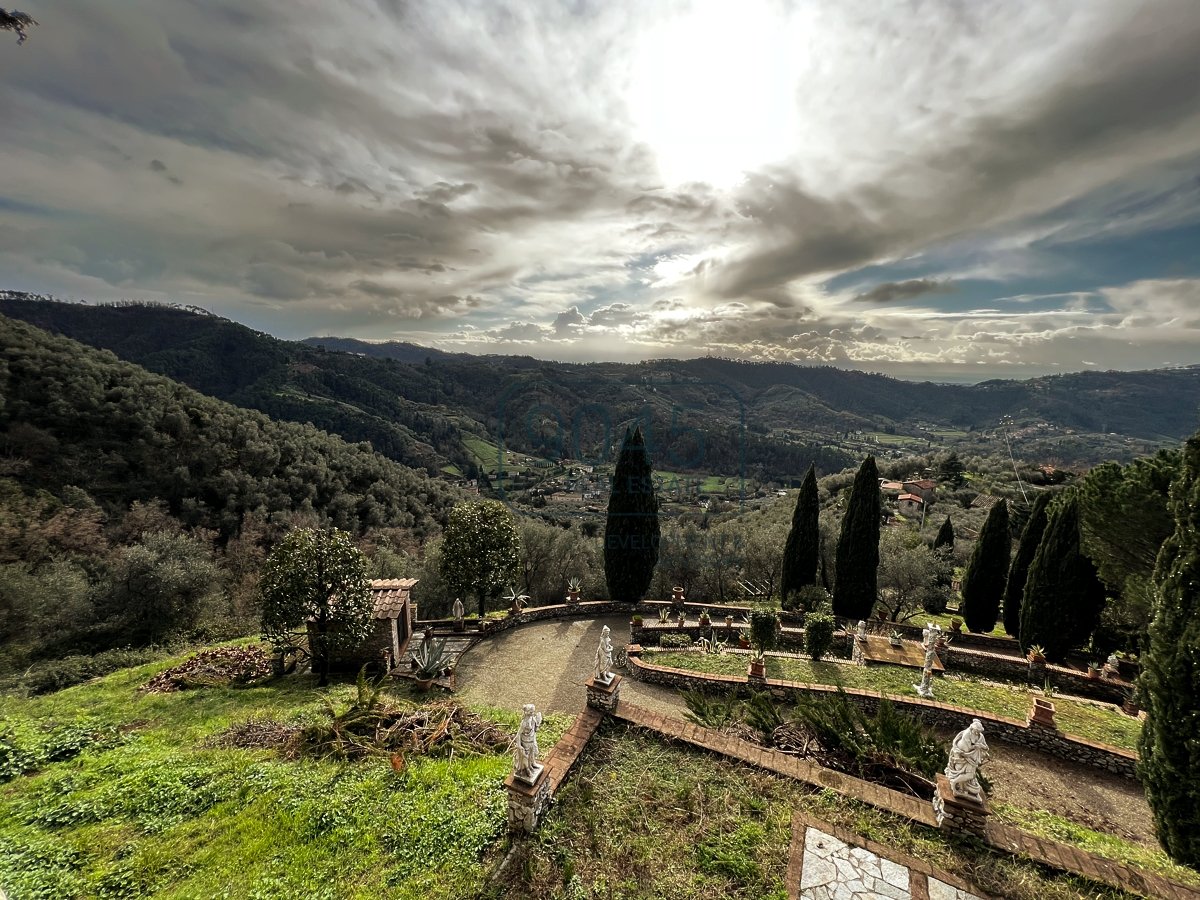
(525,747)
(459,614)
(862,630)
(930,635)
(604,654)
(968,752)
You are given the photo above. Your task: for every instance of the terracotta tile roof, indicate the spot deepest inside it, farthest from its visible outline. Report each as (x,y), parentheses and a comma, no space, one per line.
(924,484)
(890,486)
(913,497)
(390,596)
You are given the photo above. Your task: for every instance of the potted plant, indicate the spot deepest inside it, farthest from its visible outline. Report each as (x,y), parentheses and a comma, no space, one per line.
(516,602)
(636,621)
(677,595)
(896,639)
(663,615)
(682,619)
(1036,653)
(1093,671)
(729,623)
(956,624)
(764,632)
(705,621)
(574,586)
(1132,705)
(429,660)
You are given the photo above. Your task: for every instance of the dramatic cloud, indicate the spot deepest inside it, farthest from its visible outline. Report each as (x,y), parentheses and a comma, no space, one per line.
(950,189)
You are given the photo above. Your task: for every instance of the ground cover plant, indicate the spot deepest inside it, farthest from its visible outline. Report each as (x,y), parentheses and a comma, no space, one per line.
(1092,721)
(643,819)
(146,798)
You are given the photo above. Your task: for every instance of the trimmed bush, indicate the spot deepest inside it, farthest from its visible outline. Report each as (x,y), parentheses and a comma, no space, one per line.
(818,634)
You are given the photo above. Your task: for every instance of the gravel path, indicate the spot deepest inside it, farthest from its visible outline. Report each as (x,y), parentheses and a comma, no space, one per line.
(546,663)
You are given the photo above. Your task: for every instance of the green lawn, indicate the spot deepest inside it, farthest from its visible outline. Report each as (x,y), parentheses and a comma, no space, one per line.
(643,819)
(1083,719)
(159,815)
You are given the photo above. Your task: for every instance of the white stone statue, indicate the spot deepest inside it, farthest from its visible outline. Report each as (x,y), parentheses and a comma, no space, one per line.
(604,654)
(525,748)
(968,752)
(862,630)
(458,612)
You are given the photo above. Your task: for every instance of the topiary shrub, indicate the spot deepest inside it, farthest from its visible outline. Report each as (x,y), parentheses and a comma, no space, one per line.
(818,634)
(764,629)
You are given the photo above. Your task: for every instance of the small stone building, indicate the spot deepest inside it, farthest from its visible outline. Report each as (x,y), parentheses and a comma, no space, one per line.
(393,616)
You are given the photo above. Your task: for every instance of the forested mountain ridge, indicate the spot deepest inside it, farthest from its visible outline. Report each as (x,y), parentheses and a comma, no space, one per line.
(71,415)
(770,417)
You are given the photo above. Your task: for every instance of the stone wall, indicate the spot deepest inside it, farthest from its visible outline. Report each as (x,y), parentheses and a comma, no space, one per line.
(932,713)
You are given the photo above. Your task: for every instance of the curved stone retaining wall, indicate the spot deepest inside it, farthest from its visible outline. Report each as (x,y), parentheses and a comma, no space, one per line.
(938,715)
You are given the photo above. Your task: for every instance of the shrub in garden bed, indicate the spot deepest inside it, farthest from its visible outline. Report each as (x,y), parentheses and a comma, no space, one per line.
(675,641)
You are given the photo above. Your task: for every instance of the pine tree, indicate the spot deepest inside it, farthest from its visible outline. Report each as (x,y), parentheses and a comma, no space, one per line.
(951,470)
(803,545)
(1169,766)
(983,581)
(945,536)
(1063,595)
(631,533)
(1031,536)
(856,568)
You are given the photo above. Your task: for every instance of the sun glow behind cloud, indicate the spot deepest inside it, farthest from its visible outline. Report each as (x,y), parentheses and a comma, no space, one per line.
(712,91)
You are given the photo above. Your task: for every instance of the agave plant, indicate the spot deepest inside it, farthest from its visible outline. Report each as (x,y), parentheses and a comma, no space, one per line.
(430,659)
(574,585)
(515,600)
(663,614)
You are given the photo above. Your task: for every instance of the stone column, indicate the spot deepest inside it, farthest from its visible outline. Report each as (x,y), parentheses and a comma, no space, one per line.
(955,813)
(527,801)
(601,695)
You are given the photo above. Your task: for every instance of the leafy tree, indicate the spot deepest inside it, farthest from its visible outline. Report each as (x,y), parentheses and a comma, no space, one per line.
(631,533)
(1063,595)
(945,536)
(481,550)
(16,21)
(908,572)
(984,578)
(803,547)
(1014,589)
(316,576)
(952,470)
(159,585)
(1169,766)
(855,583)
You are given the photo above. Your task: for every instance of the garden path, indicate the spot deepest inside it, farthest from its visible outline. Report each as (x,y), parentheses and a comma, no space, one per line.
(546,664)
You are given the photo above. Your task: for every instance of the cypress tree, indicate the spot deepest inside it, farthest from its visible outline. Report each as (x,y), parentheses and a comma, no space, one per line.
(1169,766)
(1063,595)
(803,542)
(983,581)
(631,532)
(855,587)
(1031,536)
(945,536)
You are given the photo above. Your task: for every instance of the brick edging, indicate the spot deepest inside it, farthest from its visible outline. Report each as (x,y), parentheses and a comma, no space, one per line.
(1068,747)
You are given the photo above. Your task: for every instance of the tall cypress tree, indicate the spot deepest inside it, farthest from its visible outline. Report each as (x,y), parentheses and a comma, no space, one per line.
(856,568)
(945,536)
(803,545)
(1063,594)
(1031,536)
(1169,766)
(983,581)
(631,532)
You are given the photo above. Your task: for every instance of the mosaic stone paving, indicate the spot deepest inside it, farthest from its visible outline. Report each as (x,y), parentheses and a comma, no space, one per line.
(835,870)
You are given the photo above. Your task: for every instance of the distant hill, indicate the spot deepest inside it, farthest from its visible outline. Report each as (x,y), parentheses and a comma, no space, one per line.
(400,351)
(74,415)
(418,405)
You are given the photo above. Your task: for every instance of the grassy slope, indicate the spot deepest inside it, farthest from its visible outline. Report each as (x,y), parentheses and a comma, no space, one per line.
(162,816)
(1086,720)
(641,819)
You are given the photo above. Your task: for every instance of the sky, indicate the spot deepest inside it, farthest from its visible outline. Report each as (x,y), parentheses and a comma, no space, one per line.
(945,189)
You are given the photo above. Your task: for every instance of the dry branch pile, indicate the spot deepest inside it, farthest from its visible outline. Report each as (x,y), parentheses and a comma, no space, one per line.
(218,666)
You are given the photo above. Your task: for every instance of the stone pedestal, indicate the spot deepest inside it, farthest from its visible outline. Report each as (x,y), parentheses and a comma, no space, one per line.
(527,801)
(603,695)
(957,813)
(858,650)
(1042,715)
(756,674)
